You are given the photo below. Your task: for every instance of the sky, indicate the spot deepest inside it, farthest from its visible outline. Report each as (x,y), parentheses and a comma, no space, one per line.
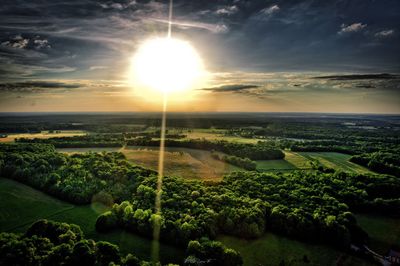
(340,56)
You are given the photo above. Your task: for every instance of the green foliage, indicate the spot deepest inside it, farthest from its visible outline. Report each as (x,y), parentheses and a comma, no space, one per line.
(381,162)
(308,206)
(244,163)
(85,141)
(53,243)
(75,178)
(206,252)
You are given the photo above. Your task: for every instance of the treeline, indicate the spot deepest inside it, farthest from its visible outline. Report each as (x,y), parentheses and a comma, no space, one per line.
(259,151)
(86,141)
(244,163)
(312,147)
(154,134)
(76,178)
(312,207)
(53,243)
(380,162)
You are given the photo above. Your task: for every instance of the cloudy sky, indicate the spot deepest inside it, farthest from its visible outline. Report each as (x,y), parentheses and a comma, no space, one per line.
(261,55)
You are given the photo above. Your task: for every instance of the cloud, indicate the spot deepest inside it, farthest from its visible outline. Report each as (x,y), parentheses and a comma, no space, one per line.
(41,44)
(228,10)
(16,42)
(19,42)
(117,6)
(384,33)
(270,10)
(231,88)
(214,28)
(245,35)
(359,77)
(97,67)
(35,86)
(355,27)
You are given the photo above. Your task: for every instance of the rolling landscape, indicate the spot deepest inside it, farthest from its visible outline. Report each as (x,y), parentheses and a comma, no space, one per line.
(200,133)
(296,189)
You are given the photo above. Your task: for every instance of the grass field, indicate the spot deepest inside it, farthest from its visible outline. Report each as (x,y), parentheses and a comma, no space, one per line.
(383,231)
(43,135)
(302,160)
(21,205)
(210,134)
(338,161)
(269,165)
(272,249)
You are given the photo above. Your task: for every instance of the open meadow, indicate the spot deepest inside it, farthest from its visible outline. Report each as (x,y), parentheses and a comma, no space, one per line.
(272,249)
(42,135)
(21,205)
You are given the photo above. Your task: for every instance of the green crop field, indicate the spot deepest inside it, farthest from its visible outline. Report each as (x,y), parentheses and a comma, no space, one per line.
(268,165)
(22,205)
(338,161)
(272,249)
(302,160)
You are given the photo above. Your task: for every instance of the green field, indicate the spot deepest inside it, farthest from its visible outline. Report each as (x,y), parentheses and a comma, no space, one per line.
(383,231)
(272,249)
(302,160)
(268,165)
(21,205)
(338,161)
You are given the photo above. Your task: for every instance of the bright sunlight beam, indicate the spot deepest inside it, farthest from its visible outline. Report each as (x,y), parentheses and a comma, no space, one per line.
(167,65)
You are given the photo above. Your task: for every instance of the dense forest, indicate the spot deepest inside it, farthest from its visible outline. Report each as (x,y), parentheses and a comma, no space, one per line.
(75,178)
(312,207)
(54,243)
(93,140)
(381,162)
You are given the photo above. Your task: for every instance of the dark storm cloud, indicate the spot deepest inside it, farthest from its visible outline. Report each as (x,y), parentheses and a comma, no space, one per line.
(359,77)
(35,86)
(231,88)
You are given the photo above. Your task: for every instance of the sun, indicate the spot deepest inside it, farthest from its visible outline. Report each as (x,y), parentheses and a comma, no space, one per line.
(167,65)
